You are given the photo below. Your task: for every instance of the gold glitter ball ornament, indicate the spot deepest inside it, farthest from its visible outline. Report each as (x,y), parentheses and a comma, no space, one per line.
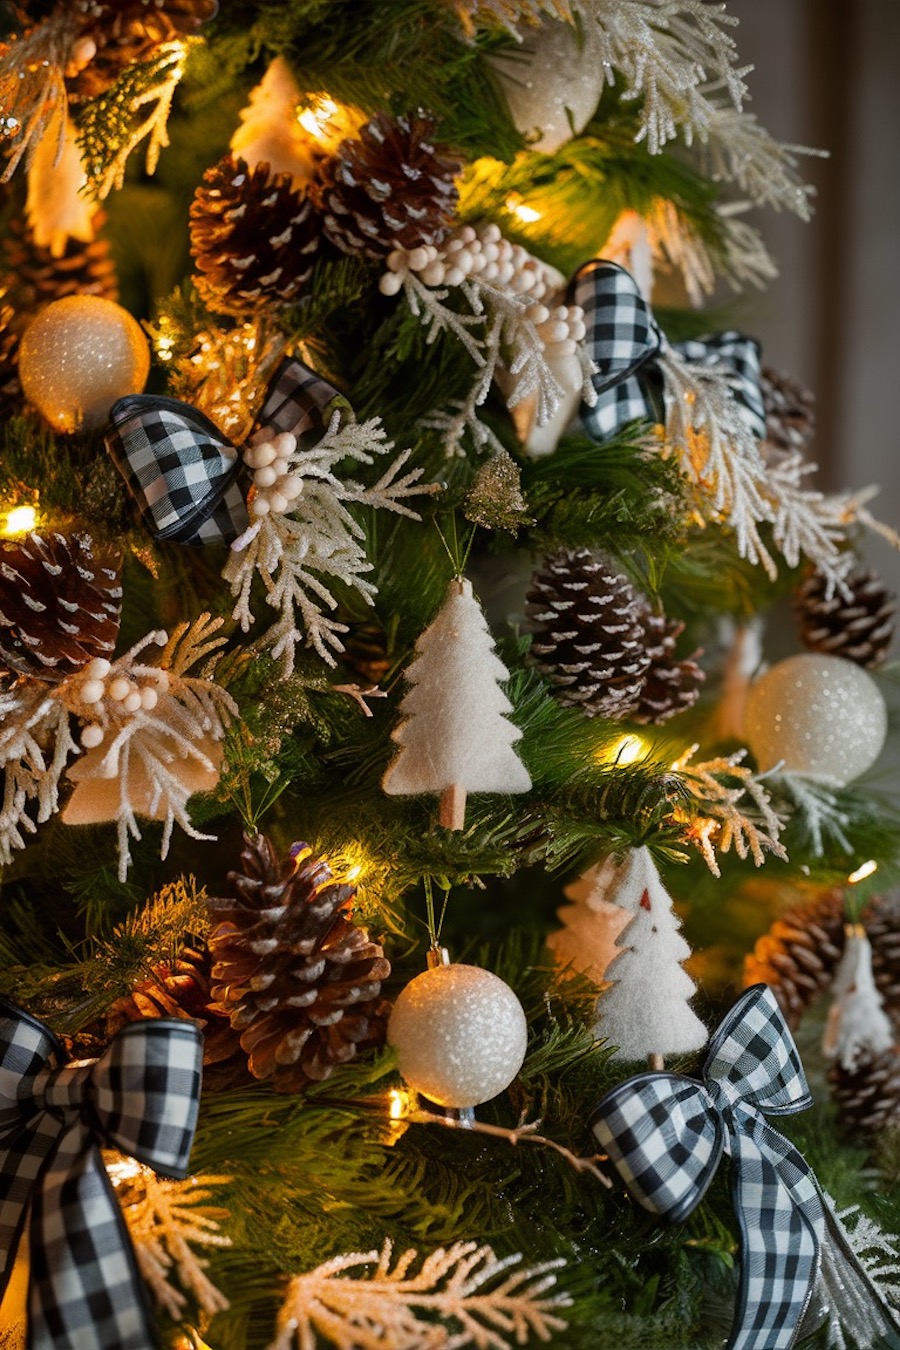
(460,1034)
(819,716)
(78,356)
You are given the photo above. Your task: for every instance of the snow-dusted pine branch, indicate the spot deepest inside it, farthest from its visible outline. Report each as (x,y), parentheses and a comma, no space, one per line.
(738,150)
(478,1298)
(736,809)
(302,550)
(166,1220)
(859,1308)
(817,811)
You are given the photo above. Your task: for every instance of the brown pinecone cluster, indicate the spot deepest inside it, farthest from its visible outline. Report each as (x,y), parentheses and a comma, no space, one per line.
(390,187)
(858,625)
(255,237)
(798,958)
(114,33)
(602,647)
(300,982)
(60,604)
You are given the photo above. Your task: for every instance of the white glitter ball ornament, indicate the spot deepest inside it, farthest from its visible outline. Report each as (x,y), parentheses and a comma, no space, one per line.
(78,356)
(819,716)
(460,1035)
(552,82)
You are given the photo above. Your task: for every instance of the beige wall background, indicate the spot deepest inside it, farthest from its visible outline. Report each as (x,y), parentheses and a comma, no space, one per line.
(828,75)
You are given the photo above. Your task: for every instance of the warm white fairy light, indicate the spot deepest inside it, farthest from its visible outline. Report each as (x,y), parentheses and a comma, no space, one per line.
(516,207)
(315,118)
(864,870)
(20,520)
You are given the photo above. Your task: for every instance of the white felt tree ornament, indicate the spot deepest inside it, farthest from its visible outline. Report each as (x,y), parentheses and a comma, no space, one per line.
(645,1011)
(592,923)
(858,1026)
(270,132)
(455,737)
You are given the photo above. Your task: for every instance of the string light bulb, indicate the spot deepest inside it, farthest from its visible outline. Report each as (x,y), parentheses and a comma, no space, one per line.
(315,118)
(517,207)
(864,870)
(18,520)
(626,750)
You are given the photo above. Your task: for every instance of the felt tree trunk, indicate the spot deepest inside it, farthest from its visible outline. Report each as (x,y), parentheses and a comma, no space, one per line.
(454,736)
(645,1013)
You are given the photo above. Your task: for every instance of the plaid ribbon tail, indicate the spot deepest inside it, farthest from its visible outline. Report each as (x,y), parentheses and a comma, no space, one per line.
(739,357)
(782,1226)
(85,1285)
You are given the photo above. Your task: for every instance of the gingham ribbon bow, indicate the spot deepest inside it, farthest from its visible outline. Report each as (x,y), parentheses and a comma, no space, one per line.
(184,474)
(665,1135)
(141,1097)
(624,340)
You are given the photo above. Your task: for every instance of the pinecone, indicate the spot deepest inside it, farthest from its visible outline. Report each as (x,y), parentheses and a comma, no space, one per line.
(859,629)
(299,981)
(126,31)
(882,923)
(790,410)
(255,238)
(180,990)
(589,634)
(670,686)
(389,188)
(798,956)
(868,1098)
(33,278)
(60,603)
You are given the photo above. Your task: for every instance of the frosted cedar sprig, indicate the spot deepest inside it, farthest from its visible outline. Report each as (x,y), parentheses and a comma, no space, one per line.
(398,1307)
(735,806)
(166,1220)
(35,745)
(136,109)
(853,1307)
(719,455)
(312,540)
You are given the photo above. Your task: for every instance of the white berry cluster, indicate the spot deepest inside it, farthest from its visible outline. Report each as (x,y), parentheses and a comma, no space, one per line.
(559,329)
(275,485)
(96,687)
(471,253)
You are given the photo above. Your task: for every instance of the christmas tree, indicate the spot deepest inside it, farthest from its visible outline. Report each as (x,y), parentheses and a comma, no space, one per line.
(379,427)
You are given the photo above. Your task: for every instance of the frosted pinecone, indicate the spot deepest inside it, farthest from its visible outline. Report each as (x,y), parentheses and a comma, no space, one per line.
(589,636)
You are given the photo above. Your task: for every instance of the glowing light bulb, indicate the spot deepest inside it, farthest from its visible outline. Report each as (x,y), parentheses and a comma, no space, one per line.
(316,117)
(516,207)
(20,520)
(627,750)
(398,1103)
(352,873)
(864,870)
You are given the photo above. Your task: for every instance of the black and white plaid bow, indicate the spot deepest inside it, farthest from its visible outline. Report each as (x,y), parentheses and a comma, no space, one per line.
(665,1135)
(141,1097)
(184,474)
(624,340)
